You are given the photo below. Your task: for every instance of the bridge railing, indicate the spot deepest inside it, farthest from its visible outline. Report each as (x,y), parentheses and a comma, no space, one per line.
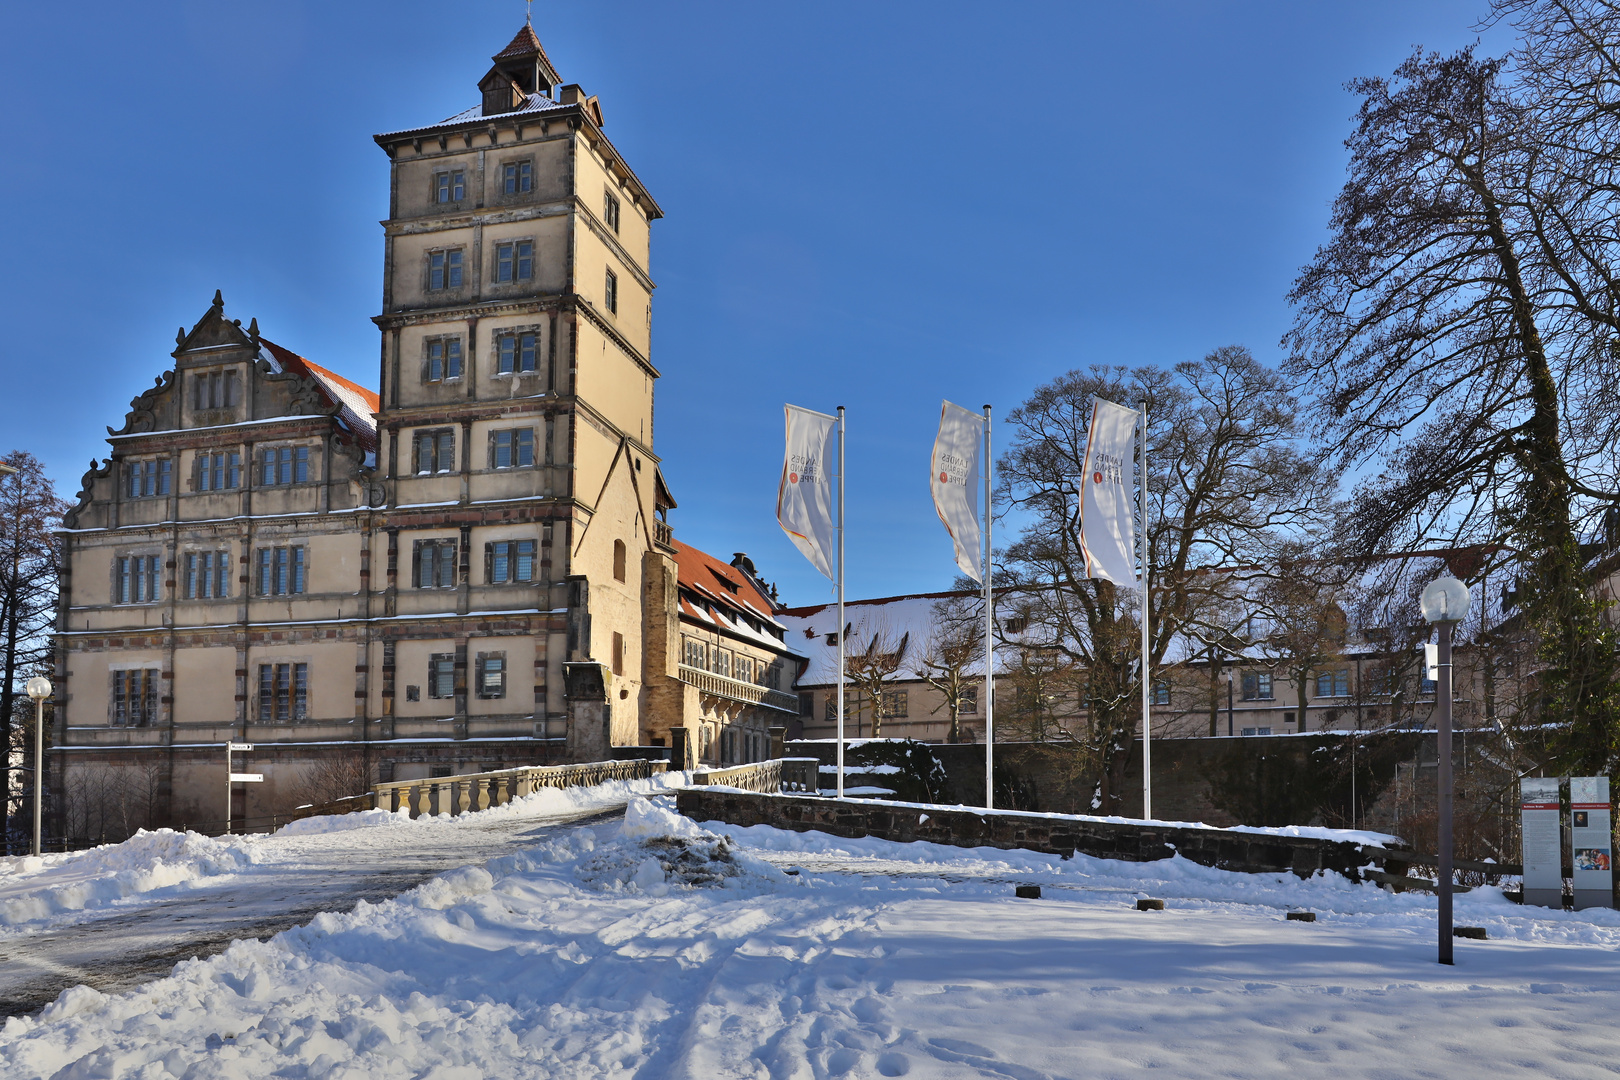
(764,777)
(471,792)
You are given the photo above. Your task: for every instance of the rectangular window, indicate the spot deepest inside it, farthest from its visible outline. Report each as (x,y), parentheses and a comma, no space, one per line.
(450,187)
(895,704)
(517,177)
(442,675)
(509,562)
(436,451)
(515,353)
(435,564)
(612,292)
(1257,686)
(491,675)
(134,697)
(443,359)
(618,653)
(148,479)
(208,575)
(696,654)
(1161,692)
(136,579)
(611,208)
(213,390)
(1333,683)
(444,269)
(283,692)
(743,668)
(514,261)
(512,449)
(722,662)
(281,571)
(969,704)
(284,465)
(219,472)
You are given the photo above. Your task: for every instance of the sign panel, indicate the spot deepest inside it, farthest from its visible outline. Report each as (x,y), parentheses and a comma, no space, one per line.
(247,777)
(239,747)
(1591,842)
(1543,846)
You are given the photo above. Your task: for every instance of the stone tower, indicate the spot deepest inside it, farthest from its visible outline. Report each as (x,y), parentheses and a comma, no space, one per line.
(516,422)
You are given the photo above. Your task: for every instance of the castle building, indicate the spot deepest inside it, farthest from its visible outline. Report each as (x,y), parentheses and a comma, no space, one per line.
(470,569)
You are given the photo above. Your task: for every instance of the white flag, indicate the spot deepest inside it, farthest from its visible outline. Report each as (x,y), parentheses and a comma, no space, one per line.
(1107,528)
(804,497)
(955,481)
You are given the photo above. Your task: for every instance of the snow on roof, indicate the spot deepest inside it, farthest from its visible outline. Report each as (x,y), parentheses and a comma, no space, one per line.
(536,103)
(892,619)
(717,593)
(358,405)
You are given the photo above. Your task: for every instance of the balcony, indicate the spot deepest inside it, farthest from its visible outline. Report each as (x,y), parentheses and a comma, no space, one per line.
(723,686)
(663,534)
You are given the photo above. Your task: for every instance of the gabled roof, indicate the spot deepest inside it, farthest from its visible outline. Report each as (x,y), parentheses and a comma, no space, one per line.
(537,103)
(357,404)
(726,589)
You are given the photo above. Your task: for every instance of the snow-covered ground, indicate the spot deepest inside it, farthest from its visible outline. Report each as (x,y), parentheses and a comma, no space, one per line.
(117,915)
(657,948)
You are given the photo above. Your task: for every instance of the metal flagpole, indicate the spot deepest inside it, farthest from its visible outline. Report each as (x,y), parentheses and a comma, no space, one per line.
(840,601)
(989,637)
(1147,716)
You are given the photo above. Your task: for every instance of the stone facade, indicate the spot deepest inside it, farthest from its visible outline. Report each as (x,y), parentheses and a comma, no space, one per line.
(471,569)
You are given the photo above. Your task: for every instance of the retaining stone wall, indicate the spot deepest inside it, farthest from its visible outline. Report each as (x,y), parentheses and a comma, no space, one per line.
(905,822)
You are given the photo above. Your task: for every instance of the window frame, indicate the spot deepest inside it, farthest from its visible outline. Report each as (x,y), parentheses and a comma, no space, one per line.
(441,666)
(503,557)
(610,209)
(516,447)
(443,555)
(487,665)
(514,261)
(278,565)
(221,471)
(283,466)
(148,478)
(517,177)
(283,696)
(119,697)
(435,439)
(610,293)
(442,358)
(517,352)
(449,186)
(137,579)
(450,266)
(211,569)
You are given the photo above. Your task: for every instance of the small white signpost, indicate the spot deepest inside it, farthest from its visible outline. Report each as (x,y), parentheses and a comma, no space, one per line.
(1543,846)
(1590,841)
(237,777)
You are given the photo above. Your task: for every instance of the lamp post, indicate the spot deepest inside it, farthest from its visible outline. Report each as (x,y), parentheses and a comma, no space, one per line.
(39,688)
(1445,602)
(1231,704)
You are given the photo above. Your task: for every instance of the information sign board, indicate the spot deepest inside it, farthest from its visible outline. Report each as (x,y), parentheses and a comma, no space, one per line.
(1591,842)
(1543,846)
(247,777)
(239,747)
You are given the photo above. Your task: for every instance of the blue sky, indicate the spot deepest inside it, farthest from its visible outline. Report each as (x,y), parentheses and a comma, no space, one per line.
(875,204)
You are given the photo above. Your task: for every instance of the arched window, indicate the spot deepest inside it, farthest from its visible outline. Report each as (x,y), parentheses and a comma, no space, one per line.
(618,560)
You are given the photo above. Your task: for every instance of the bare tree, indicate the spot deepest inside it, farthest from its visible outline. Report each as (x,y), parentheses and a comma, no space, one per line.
(1305,625)
(1225,481)
(29,575)
(953,658)
(339,776)
(870,670)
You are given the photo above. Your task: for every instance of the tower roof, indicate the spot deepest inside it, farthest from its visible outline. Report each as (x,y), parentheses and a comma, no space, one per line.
(522,55)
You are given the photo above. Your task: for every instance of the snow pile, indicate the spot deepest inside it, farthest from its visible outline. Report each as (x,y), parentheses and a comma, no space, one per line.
(875,959)
(331,823)
(33,889)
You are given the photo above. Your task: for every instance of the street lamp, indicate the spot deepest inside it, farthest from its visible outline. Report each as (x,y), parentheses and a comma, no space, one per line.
(1445,602)
(39,688)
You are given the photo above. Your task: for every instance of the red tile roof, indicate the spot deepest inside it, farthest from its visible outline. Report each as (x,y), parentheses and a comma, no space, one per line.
(524,44)
(357,404)
(719,582)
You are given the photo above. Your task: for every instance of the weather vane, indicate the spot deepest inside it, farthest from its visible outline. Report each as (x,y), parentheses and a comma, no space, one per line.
(528,17)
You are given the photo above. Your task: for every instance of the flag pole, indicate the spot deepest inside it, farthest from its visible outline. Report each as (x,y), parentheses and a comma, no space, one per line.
(1147,715)
(989,636)
(840,601)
